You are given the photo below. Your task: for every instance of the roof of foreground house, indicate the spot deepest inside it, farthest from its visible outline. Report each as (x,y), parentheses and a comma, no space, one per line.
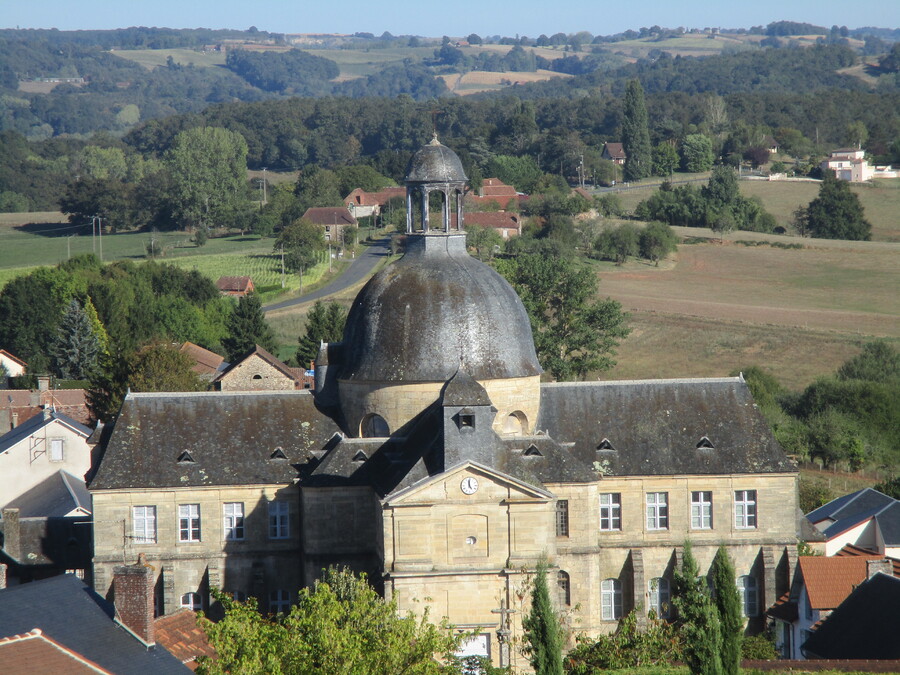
(829,580)
(180,633)
(34,424)
(71,613)
(34,653)
(54,497)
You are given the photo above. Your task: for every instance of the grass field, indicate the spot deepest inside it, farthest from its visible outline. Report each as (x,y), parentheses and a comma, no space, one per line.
(155,58)
(361,62)
(478,81)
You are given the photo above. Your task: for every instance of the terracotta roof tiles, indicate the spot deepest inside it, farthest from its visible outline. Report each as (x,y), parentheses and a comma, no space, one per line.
(829,581)
(34,652)
(183,637)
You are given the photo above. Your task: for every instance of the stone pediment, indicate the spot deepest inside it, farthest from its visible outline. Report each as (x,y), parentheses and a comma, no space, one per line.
(489,484)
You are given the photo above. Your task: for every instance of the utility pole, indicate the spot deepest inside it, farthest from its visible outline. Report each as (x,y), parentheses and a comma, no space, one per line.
(282,265)
(100,236)
(94,233)
(265,198)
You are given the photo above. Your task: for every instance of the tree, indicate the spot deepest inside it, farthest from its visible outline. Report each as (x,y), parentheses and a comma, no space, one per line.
(617,243)
(698,618)
(723,223)
(159,366)
(837,213)
(543,634)
(728,603)
(659,644)
(247,328)
(340,626)
(574,333)
(324,323)
(665,160)
(209,176)
(301,242)
(484,240)
(657,240)
(636,133)
(721,191)
(317,187)
(77,346)
(878,362)
(696,153)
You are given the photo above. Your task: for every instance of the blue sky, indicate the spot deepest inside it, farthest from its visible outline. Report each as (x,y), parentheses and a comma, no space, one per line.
(524,17)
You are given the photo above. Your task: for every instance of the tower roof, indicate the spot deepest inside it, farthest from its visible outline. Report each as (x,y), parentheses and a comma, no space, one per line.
(435,163)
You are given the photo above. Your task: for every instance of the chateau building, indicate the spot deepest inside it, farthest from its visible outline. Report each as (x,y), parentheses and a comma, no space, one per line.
(433,458)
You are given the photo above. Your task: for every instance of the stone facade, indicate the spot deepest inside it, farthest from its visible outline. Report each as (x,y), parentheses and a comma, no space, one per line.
(256,372)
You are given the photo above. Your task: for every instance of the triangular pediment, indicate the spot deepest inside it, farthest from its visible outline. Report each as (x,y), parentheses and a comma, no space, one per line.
(454,484)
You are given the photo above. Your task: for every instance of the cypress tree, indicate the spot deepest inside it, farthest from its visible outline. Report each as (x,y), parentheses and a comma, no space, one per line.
(247,328)
(324,323)
(77,346)
(699,620)
(542,630)
(636,134)
(728,603)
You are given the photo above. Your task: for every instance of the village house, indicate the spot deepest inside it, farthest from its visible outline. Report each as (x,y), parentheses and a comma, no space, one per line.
(259,370)
(333,220)
(614,152)
(14,367)
(506,224)
(362,204)
(235,286)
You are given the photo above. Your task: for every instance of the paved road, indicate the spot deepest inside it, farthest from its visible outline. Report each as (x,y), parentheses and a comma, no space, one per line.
(357,271)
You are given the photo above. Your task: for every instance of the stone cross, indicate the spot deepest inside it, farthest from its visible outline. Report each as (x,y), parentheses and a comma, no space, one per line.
(503,631)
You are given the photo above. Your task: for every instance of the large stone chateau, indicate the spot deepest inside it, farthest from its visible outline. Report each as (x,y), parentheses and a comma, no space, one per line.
(433,458)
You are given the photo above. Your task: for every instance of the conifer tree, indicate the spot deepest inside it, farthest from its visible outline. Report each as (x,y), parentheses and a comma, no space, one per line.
(728,603)
(247,328)
(698,617)
(542,630)
(837,212)
(324,323)
(77,346)
(636,134)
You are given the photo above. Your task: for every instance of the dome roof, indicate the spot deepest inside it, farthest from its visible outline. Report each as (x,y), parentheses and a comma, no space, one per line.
(435,163)
(434,312)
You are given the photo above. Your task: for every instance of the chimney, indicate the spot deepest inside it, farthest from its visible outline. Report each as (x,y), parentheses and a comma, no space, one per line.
(43,382)
(884,566)
(133,590)
(2,576)
(12,542)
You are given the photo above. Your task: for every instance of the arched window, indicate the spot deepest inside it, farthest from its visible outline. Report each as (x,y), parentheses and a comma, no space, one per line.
(374,426)
(257,377)
(659,597)
(611,599)
(192,601)
(747,589)
(565,590)
(516,423)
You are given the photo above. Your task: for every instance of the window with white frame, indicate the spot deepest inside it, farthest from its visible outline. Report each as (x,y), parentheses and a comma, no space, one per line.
(746,586)
(611,511)
(562,518)
(234,520)
(659,597)
(611,599)
(192,601)
(56,450)
(189,522)
(745,509)
(279,602)
(279,520)
(143,523)
(701,510)
(657,510)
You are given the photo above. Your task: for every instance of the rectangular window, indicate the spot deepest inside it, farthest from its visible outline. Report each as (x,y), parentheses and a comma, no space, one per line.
(56,450)
(701,510)
(189,522)
(745,509)
(279,520)
(279,602)
(611,511)
(562,518)
(657,510)
(143,520)
(234,520)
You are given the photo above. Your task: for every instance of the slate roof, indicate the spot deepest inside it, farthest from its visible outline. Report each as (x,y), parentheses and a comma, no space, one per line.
(35,653)
(54,497)
(68,611)
(180,633)
(435,163)
(864,626)
(35,424)
(849,511)
(229,435)
(657,427)
(850,505)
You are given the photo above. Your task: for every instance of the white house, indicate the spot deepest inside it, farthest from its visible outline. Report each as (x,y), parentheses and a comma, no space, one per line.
(14,366)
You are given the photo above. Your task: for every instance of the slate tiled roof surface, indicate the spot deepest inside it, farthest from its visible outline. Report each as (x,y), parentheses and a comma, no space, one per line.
(865,626)
(829,580)
(53,497)
(656,426)
(850,505)
(35,653)
(65,609)
(181,635)
(230,436)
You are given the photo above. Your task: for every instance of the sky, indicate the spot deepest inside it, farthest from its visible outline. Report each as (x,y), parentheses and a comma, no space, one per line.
(460,18)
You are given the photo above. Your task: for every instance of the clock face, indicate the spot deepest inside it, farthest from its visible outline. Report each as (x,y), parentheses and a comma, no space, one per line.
(468,485)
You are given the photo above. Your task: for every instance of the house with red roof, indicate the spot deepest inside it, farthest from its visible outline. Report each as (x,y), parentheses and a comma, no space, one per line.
(614,152)
(235,286)
(506,224)
(14,366)
(333,219)
(362,204)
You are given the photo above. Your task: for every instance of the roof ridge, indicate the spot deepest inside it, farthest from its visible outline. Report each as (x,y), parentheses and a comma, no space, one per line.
(674,380)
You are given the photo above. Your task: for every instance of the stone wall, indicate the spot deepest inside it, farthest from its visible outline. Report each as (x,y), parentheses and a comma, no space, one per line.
(255,374)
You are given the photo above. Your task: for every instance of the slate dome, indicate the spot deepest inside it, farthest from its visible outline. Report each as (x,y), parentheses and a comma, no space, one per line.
(433,312)
(435,163)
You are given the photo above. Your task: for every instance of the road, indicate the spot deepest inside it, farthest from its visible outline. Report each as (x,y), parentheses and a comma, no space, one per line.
(358,270)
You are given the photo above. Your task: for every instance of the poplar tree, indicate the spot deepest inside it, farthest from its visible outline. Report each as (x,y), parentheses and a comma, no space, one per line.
(636,134)
(698,617)
(247,328)
(542,630)
(728,603)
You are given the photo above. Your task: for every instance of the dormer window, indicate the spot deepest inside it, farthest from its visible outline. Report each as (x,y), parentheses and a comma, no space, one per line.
(185,458)
(360,457)
(465,420)
(278,453)
(605,445)
(705,443)
(532,451)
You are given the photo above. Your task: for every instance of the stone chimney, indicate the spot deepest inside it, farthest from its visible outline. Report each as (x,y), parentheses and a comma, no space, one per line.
(2,576)
(884,566)
(133,590)
(12,540)
(43,382)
